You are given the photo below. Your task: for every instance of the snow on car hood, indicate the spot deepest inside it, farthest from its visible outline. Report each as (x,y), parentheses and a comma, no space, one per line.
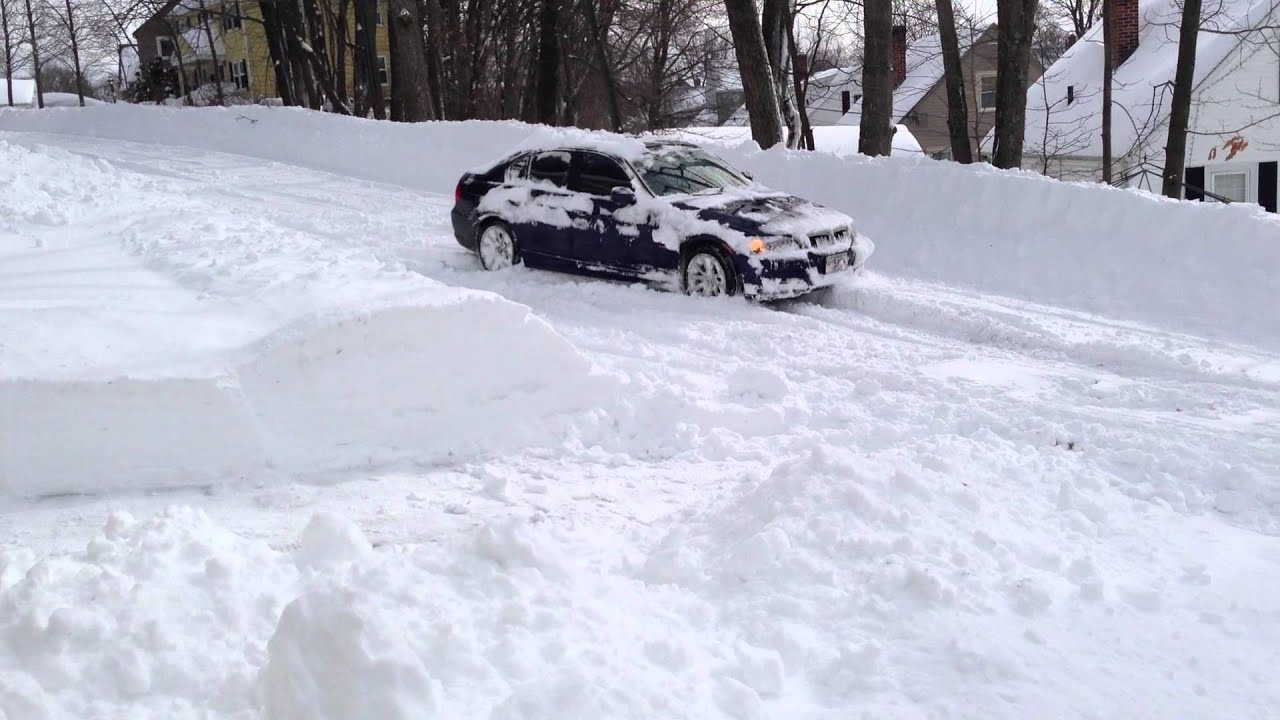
(763,212)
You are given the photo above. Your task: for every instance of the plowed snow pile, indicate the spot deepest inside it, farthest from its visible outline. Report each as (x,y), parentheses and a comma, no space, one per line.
(154,340)
(273,446)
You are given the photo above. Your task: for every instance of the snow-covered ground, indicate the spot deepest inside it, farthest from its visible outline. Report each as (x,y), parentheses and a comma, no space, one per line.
(272,445)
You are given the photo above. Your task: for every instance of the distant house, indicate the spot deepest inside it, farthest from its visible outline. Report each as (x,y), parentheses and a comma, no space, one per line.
(920,93)
(238,56)
(24,93)
(919,96)
(1234,146)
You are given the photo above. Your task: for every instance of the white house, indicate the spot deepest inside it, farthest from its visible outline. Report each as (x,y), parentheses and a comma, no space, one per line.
(1234,144)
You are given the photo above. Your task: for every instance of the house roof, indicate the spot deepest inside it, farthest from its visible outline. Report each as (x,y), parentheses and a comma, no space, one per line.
(24,92)
(1141,85)
(924,70)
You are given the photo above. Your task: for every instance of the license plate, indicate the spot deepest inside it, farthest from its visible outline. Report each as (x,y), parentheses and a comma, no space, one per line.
(836,263)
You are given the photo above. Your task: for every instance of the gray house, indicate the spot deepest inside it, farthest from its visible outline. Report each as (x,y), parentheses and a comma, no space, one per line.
(920,93)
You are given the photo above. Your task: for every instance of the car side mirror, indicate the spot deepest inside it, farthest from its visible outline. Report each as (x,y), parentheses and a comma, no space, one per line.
(623,196)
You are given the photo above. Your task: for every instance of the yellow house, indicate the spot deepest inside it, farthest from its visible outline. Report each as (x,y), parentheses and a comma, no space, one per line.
(181,30)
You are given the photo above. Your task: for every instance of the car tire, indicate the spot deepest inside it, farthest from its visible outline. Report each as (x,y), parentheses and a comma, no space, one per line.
(708,273)
(496,246)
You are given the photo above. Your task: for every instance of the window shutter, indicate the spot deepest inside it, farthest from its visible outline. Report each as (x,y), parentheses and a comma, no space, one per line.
(1195,183)
(1267,185)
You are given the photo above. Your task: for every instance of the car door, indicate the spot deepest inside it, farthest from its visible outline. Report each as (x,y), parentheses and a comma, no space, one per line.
(545,222)
(607,242)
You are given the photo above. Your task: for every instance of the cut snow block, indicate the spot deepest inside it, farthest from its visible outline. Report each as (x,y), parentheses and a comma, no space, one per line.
(71,437)
(429,384)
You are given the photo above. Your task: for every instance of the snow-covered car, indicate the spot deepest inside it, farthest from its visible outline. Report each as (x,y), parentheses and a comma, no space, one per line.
(659,211)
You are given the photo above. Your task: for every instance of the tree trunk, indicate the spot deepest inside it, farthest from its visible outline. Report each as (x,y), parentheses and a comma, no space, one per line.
(775,22)
(340,50)
(753,65)
(410,101)
(8,51)
(875,135)
(953,71)
(600,41)
(1017,21)
(367,48)
(1108,71)
(1175,150)
(75,53)
(319,55)
(213,56)
(806,130)
(35,55)
(659,58)
(435,41)
(546,88)
(278,49)
(172,27)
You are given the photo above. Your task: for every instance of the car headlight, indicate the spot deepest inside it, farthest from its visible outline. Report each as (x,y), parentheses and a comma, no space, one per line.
(773,244)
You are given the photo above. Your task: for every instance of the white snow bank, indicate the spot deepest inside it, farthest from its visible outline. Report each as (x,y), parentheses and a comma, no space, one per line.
(429,383)
(1123,253)
(838,140)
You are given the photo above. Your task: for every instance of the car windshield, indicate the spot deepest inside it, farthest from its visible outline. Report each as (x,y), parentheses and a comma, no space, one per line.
(669,171)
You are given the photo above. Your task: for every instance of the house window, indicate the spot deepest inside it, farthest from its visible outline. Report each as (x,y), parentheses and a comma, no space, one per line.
(382,69)
(987,91)
(165,47)
(845,102)
(1233,186)
(240,74)
(231,17)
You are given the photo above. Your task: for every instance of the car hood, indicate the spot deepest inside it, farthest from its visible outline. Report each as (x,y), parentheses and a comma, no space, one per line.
(763,212)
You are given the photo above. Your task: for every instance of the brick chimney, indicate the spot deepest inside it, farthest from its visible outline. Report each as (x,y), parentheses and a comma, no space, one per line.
(900,52)
(1124,28)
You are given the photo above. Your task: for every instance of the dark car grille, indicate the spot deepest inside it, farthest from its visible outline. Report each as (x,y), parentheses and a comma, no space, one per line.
(827,239)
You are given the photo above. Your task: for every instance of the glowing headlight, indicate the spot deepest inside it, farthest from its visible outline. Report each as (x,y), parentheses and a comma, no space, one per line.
(760,245)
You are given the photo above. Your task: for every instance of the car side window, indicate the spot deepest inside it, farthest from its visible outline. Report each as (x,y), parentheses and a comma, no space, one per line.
(597,174)
(518,169)
(551,167)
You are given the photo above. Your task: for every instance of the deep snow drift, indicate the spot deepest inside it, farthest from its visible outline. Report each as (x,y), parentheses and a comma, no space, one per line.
(522,495)
(1122,253)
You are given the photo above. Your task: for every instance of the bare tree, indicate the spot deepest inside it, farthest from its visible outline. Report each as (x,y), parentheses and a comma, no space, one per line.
(546,84)
(753,65)
(409,99)
(1016,20)
(876,133)
(368,85)
(1078,15)
(8,50)
(953,73)
(1175,150)
(1108,75)
(775,20)
(34,44)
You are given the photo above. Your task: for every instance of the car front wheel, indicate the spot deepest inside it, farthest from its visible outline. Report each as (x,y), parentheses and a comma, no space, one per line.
(708,274)
(497,247)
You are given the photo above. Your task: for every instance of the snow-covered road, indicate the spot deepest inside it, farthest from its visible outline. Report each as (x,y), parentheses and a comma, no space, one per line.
(902,500)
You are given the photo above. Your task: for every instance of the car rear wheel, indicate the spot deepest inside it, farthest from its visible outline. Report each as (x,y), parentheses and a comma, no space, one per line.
(497,247)
(707,274)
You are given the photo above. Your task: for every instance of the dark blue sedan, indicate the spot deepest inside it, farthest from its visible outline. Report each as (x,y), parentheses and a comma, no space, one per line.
(658,211)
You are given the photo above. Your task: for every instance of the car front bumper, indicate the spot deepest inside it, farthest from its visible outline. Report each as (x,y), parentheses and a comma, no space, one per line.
(765,278)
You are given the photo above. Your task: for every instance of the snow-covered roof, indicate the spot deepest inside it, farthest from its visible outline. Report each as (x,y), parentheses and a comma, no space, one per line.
(1142,84)
(924,70)
(24,92)
(836,140)
(823,98)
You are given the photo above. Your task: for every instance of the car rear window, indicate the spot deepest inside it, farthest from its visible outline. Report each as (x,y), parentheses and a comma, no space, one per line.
(552,167)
